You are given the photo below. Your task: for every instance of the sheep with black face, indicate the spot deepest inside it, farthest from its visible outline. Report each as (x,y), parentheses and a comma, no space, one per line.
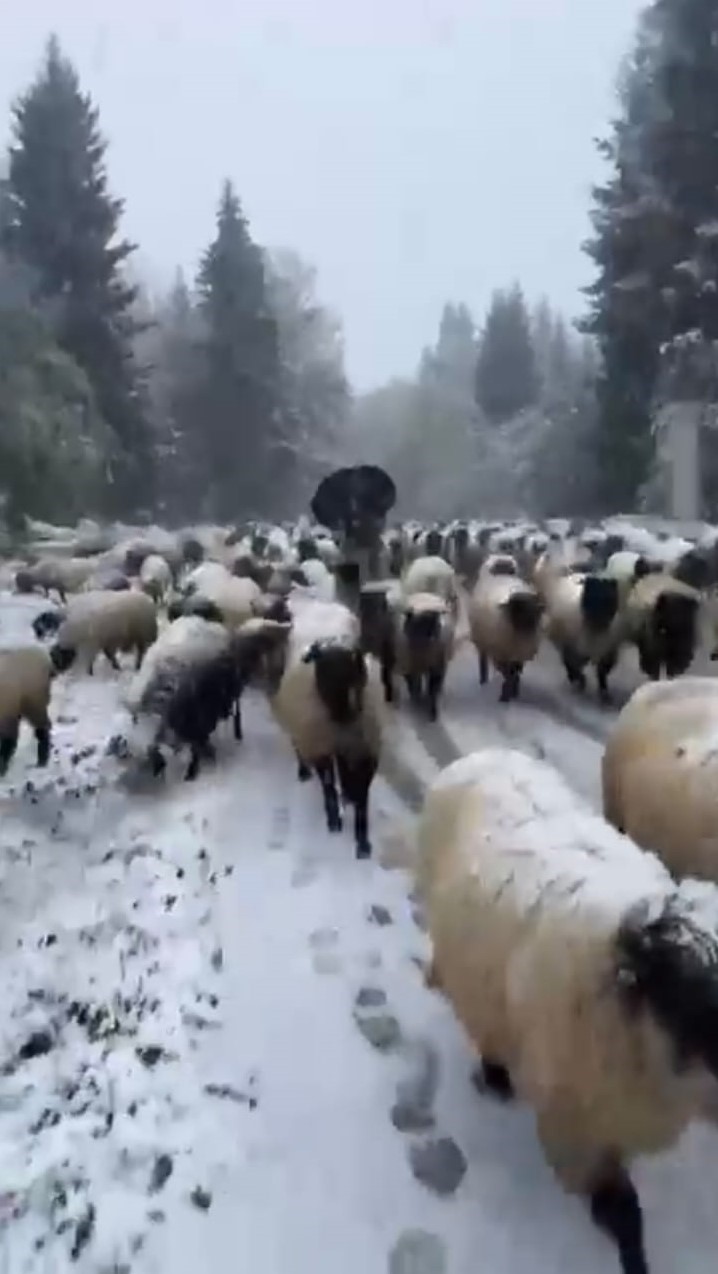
(330,703)
(585,624)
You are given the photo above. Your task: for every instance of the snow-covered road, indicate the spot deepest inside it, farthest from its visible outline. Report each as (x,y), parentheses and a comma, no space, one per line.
(218,1051)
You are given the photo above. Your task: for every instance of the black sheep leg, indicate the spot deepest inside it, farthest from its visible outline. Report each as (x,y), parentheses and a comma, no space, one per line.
(237,720)
(42,736)
(387,673)
(574,670)
(199,749)
(111,658)
(325,774)
(493,1078)
(303,771)
(413,687)
(8,744)
(511,674)
(483,669)
(356,776)
(603,671)
(434,684)
(616,1210)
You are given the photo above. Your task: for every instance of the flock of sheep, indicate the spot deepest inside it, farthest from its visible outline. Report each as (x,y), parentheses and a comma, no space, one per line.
(580,952)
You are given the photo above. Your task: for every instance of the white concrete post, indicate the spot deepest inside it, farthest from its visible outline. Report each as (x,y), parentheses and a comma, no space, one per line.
(682,422)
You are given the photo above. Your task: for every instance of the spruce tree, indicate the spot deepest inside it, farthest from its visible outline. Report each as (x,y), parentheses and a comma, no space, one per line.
(247,461)
(63,224)
(506,374)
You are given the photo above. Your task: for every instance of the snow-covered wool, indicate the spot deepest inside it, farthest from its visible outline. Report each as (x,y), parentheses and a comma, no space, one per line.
(505,617)
(105,621)
(235,598)
(155,577)
(660,773)
(585,624)
(662,618)
(432,575)
(185,639)
(190,697)
(60,575)
(585,977)
(114,581)
(25,685)
(330,703)
(499,564)
(423,646)
(627,567)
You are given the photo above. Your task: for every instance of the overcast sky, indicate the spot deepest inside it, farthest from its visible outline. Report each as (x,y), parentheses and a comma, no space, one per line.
(414,150)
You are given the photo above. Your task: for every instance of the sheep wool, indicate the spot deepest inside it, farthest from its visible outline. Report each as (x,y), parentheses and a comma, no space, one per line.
(155,577)
(563,949)
(432,575)
(25,687)
(184,641)
(106,621)
(660,774)
(505,625)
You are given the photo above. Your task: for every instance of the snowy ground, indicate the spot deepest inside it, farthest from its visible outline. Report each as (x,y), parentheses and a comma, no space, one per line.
(217,1050)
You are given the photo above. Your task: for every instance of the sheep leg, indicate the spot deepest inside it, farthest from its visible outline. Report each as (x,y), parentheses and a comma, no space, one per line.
(42,735)
(8,744)
(413,686)
(237,720)
(511,682)
(603,669)
(141,651)
(156,761)
(303,771)
(356,778)
(387,672)
(483,669)
(111,658)
(325,773)
(574,670)
(494,1079)
(434,685)
(195,757)
(649,665)
(616,1209)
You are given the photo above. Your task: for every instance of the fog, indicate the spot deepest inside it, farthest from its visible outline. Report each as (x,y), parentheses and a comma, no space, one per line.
(414,151)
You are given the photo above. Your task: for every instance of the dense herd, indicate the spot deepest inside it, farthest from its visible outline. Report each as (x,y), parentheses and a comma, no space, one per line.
(580,952)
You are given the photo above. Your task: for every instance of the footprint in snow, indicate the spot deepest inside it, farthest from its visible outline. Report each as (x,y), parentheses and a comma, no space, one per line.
(320,939)
(417,1252)
(439,1164)
(280,829)
(303,875)
(325,959)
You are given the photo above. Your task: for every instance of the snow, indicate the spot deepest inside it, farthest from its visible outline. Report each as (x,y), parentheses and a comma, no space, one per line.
(219,922)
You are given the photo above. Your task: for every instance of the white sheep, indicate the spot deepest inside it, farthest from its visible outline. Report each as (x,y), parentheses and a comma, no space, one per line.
(660,773)
(662,618)
(61,575)
(584,976)
(238,599)
(184,640)
(505,624)
(25,685)
(155,577)
(585,624)
(330,703)
(105,621)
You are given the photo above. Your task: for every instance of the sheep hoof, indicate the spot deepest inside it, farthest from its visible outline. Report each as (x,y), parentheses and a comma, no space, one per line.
(363,849)
(335,824)
(493,1079)
(303,772)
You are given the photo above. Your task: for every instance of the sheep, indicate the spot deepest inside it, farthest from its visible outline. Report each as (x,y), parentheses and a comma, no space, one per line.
(61,575)
(377,628)
(235,598)
(108,622)
(330,704)
(25,684)
(155,577)
(423,646)
(585,624)
(193,690)
(586,978)
(659,772)
(499,564)
(505,624)
(662,618)
(432,575)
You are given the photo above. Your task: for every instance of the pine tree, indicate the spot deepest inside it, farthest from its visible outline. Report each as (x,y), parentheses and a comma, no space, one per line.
(63,224)
(506,373)
(247,458)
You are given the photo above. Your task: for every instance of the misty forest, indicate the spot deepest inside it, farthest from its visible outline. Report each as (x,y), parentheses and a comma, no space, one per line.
(228,396)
